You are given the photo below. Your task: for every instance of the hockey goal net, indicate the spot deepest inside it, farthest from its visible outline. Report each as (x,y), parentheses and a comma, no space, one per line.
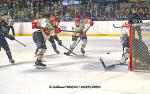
(140,47)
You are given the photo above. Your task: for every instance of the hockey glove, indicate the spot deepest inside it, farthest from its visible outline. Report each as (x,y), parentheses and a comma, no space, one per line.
(91,23)
(10,37)
(57,30)
(82,35)
(60,42)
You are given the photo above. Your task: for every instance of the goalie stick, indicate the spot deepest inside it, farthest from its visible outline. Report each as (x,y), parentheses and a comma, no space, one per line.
(145,24)
(109,66)
(116,26)
(141,24)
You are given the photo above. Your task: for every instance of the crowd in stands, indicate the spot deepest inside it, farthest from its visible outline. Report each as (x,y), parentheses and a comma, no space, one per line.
(25,10)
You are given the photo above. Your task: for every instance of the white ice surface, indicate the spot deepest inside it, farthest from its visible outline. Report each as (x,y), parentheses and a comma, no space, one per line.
(24,78)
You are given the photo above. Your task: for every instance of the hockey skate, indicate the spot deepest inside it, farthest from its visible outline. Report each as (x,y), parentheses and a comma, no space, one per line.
(67,53)
(82,50)
(40,65)
(11,61)
(37,62)
(56,51)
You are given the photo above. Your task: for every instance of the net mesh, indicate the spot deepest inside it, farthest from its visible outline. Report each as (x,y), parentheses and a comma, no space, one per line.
(140,47)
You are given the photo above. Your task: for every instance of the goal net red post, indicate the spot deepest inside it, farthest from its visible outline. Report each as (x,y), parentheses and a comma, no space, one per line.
(139,47)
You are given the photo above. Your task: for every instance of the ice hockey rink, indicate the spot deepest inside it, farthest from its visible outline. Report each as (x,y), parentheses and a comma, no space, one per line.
(84,74)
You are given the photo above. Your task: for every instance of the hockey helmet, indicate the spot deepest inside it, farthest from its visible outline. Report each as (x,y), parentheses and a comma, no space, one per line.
(53,18)
(91,22)
(77,20)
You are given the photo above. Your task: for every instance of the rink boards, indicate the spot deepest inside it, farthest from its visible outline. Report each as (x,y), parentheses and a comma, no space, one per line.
(100,28)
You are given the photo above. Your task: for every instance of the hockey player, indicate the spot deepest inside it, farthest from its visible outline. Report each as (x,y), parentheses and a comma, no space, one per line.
(80,29)
(53,22)
(43,31)
(53,36)
(4,30)
(39,36)
(134,18)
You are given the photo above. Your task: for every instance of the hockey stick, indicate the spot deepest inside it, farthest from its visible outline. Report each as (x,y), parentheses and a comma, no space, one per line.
(76,45)
(75,31)
(106,67)
(77,42)
(68,49)
(67,31)
(112,66)
(117,26)
(146,24)
(101,60)
(20,43)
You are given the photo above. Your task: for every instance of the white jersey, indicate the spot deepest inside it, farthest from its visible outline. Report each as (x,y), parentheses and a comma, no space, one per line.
(82,28)
(86,25)
(79,29)
(44,23)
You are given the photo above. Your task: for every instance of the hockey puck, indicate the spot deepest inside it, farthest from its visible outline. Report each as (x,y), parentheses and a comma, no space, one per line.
(108,52)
